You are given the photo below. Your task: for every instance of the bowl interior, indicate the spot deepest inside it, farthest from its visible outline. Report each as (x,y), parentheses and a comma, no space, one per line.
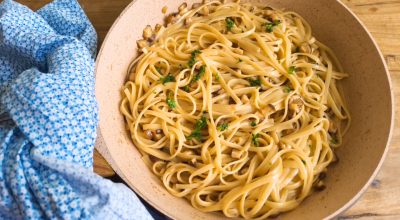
(367,91)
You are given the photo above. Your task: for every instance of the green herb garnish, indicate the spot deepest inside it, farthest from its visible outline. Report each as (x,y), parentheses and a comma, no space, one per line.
(254,82)
(253,123)
(223,127)
(254,139)
(158,69)
(193,60)
(269,27)
(334,141)
(217,77)
(170,101)
(200,124)
(167,79)
(200,74)
(229,23)
(292,70)
(186,88)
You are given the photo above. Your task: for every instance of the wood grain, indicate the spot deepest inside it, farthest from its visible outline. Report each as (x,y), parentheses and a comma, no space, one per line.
(382,18)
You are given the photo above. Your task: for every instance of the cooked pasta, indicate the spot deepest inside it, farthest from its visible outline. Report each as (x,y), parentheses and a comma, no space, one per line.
(235,107)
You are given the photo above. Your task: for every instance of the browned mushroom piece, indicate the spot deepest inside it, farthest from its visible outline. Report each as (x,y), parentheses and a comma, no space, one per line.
(188,21)
(157,28)
(320,185)
(172,18)
(183,8)
(159,131)
(142,44)
(147,32)
(296,103)
(149,134)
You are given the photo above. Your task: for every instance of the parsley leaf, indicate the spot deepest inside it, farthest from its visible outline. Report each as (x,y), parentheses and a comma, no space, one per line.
(216,77)
(254,139)
(334,141)
(158,69)
(269,27)
(167,79)
(223,127)
(292,70)
(229,23)
(199,74)
(253,123)
(193,60)
(200,124)
(186,88)
(170,101)
(254,82)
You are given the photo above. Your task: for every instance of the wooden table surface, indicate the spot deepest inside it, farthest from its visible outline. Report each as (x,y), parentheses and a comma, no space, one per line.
(382,18)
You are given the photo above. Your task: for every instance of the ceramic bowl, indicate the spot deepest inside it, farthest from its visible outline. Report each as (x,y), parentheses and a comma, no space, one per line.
(367,91)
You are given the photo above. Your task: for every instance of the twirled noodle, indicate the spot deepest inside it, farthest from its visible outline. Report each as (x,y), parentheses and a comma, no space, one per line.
(235,107)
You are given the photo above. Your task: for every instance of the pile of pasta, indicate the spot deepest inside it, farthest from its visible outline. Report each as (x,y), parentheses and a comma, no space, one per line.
(236,108)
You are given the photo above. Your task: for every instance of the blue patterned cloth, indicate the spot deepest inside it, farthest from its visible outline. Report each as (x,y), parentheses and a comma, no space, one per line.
(48,119)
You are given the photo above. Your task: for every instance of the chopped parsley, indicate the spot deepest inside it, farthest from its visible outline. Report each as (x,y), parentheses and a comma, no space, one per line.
(167,79)
(229,23)
(200,74)
(223,127)
(292,70)
(334,141)
(253,123)
(193,60)
(269,27)
(254,139)
(287,89)
(170,101)
(216,76)
(254,82)
(158,69)
(200,124)
(186,88)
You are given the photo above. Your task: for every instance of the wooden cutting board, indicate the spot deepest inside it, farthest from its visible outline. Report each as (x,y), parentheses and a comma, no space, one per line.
(382,18)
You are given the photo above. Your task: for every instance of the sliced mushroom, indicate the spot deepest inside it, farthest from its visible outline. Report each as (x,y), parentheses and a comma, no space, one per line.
(147,32)
(183,8)
(149,134)
(172,18)
(188,21)
(296,103)
(157,28)
(319,186)
(142,44)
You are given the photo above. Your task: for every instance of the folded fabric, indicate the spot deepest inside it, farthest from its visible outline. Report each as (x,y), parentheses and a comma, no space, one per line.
(48,119)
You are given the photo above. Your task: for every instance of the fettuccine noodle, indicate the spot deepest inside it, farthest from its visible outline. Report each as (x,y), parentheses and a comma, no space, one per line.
(235,107)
